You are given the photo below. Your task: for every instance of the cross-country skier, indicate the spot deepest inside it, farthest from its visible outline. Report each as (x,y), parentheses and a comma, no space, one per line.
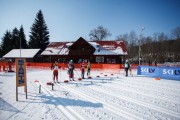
(55,72)
(82,70)
(70,70)
(88,68)
(126,66)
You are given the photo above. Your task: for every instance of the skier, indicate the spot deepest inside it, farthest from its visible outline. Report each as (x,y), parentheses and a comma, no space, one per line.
(88,68)
(55,72)
(70,70)
(126,66)
(82,70)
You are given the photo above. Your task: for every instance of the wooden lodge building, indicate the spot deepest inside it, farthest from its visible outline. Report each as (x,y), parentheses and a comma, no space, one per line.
(95,51)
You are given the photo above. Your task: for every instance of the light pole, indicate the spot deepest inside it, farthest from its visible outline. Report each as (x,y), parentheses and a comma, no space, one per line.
(139,45)
(19,43)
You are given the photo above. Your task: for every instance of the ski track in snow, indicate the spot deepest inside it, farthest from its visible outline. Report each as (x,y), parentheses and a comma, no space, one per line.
(68,112)
(149,98)
(113,100)
(130,97)
(108,97)
(107,106)
(84,112)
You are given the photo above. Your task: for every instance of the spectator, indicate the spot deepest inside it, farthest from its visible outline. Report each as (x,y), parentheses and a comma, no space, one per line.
(71,70)
(126,66)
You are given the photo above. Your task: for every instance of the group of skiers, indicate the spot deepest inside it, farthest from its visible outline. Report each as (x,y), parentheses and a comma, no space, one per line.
(83,66)
(70,71)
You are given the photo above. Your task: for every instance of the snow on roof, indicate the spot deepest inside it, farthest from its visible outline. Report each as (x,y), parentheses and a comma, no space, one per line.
(57,48)
(101,48)
(25,53)
(107,48)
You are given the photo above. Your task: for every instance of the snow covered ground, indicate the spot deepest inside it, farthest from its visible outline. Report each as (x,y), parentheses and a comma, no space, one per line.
(108,97)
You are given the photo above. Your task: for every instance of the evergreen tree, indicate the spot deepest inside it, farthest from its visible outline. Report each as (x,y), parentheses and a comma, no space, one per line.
(15,39)
(1,52)
(23,38)
(6,45)
(39,37)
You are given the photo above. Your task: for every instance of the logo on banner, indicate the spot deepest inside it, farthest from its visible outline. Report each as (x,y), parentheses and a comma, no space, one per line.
(148,70)
(162,72)
(171,72)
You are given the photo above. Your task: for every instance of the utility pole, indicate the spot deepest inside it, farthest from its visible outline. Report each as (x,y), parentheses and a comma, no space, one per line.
(140,36)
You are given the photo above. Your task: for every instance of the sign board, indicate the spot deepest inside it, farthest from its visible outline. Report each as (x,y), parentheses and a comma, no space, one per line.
(21,75)
(172,73)
(20,72)
(148,71)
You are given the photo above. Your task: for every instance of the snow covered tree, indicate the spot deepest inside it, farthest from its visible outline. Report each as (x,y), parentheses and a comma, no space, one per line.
(39,37)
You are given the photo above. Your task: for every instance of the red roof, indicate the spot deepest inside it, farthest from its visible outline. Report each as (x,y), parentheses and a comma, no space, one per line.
(101,48)
(112,45)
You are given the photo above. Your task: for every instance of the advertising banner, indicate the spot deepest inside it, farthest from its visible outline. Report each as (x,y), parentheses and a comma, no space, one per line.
(148,71)
(172,73)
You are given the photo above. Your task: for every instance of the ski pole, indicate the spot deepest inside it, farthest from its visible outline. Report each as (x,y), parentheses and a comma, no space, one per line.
(78,75)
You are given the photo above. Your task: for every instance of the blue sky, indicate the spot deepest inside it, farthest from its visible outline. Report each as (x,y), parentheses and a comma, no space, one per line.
(67,20)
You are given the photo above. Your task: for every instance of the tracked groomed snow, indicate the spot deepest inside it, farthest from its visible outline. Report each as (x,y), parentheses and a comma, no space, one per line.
(111,96)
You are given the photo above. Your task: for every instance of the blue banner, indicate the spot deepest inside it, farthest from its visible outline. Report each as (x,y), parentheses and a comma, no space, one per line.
(162,72)
(170,73)
(148,71)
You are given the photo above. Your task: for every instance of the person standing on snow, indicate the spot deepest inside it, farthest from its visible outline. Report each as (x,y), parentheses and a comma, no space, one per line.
(82,70)
(88,68)
(55,72)
(71,70)
(126,66)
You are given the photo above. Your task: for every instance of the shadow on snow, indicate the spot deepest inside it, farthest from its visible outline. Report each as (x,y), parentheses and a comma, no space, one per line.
(7,107)
(69,102)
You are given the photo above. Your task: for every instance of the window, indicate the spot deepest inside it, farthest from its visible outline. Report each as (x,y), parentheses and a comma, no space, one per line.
(62,60)
(111,60)
(100,59)
(108,60)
